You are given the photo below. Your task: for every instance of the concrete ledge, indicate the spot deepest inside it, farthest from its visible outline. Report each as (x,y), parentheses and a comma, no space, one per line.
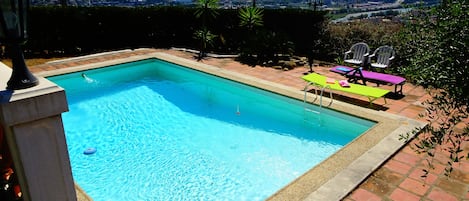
(349,178)
(25,105)
(32,123)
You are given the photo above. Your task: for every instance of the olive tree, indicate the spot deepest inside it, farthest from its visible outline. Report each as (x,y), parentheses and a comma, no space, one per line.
(434,45)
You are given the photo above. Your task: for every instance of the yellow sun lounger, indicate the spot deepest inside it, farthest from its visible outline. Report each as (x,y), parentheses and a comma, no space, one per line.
(371,92)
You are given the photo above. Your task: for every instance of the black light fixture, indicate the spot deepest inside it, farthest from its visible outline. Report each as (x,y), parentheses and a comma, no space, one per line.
(13,15)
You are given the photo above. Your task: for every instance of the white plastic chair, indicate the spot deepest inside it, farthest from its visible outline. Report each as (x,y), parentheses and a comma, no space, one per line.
(357,54)
(382,57)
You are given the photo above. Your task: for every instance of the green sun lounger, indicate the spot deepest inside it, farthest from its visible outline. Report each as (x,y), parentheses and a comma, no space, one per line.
(371,92)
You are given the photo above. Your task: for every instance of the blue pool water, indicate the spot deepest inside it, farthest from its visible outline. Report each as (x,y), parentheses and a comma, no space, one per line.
(165,132)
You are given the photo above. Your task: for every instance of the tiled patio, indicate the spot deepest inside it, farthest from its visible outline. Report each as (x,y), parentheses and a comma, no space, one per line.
(398,179)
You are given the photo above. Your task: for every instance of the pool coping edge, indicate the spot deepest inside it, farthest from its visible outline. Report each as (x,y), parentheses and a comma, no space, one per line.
(349,177)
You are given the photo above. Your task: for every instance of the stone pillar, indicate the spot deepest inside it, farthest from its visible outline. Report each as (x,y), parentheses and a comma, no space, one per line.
(32,123)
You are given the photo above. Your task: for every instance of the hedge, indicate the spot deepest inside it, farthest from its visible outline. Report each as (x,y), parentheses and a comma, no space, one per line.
(74,30)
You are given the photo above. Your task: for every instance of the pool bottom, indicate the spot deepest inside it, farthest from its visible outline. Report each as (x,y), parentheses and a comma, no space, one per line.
(347,168)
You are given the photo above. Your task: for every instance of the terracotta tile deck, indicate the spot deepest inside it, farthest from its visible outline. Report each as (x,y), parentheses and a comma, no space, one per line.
(398,179)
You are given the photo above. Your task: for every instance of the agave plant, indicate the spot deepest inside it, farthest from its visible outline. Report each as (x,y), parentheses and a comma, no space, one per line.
(251,17)
(206,39)
(206,9)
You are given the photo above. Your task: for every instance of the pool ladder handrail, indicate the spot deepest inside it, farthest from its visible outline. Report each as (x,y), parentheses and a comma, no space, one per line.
(315,92)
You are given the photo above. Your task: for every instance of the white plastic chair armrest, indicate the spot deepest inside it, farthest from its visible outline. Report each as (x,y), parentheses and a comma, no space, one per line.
(346,54)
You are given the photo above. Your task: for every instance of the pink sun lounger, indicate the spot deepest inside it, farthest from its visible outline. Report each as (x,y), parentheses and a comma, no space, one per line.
(355,74)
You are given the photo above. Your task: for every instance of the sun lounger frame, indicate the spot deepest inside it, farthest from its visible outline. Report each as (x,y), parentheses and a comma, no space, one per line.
(320,81)
(355,74)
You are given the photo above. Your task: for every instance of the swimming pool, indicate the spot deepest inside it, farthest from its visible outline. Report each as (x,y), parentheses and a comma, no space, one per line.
(166,131)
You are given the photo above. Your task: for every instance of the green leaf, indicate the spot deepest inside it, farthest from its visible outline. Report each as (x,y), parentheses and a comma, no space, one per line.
(251,17)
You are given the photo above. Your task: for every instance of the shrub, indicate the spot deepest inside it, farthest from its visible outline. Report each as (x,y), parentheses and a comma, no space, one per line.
(436,45)
(342,36)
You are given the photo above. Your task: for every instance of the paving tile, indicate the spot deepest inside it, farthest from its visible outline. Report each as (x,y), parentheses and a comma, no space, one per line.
(410,98)
(438,168)
(418,91)
(62,65)
(412,111)
(424,98)
(459,176)
(51,68)
(460,126)
(440,195)
(398,167)
(442,157)
(462,166)
(400,104)
(364,195)
(401,195)
(409,150)
(388,176)
(465,147)
(418,174)
(410,159)
(382,182)
(407,88)
(451,186)
(394,110)
(414,186)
